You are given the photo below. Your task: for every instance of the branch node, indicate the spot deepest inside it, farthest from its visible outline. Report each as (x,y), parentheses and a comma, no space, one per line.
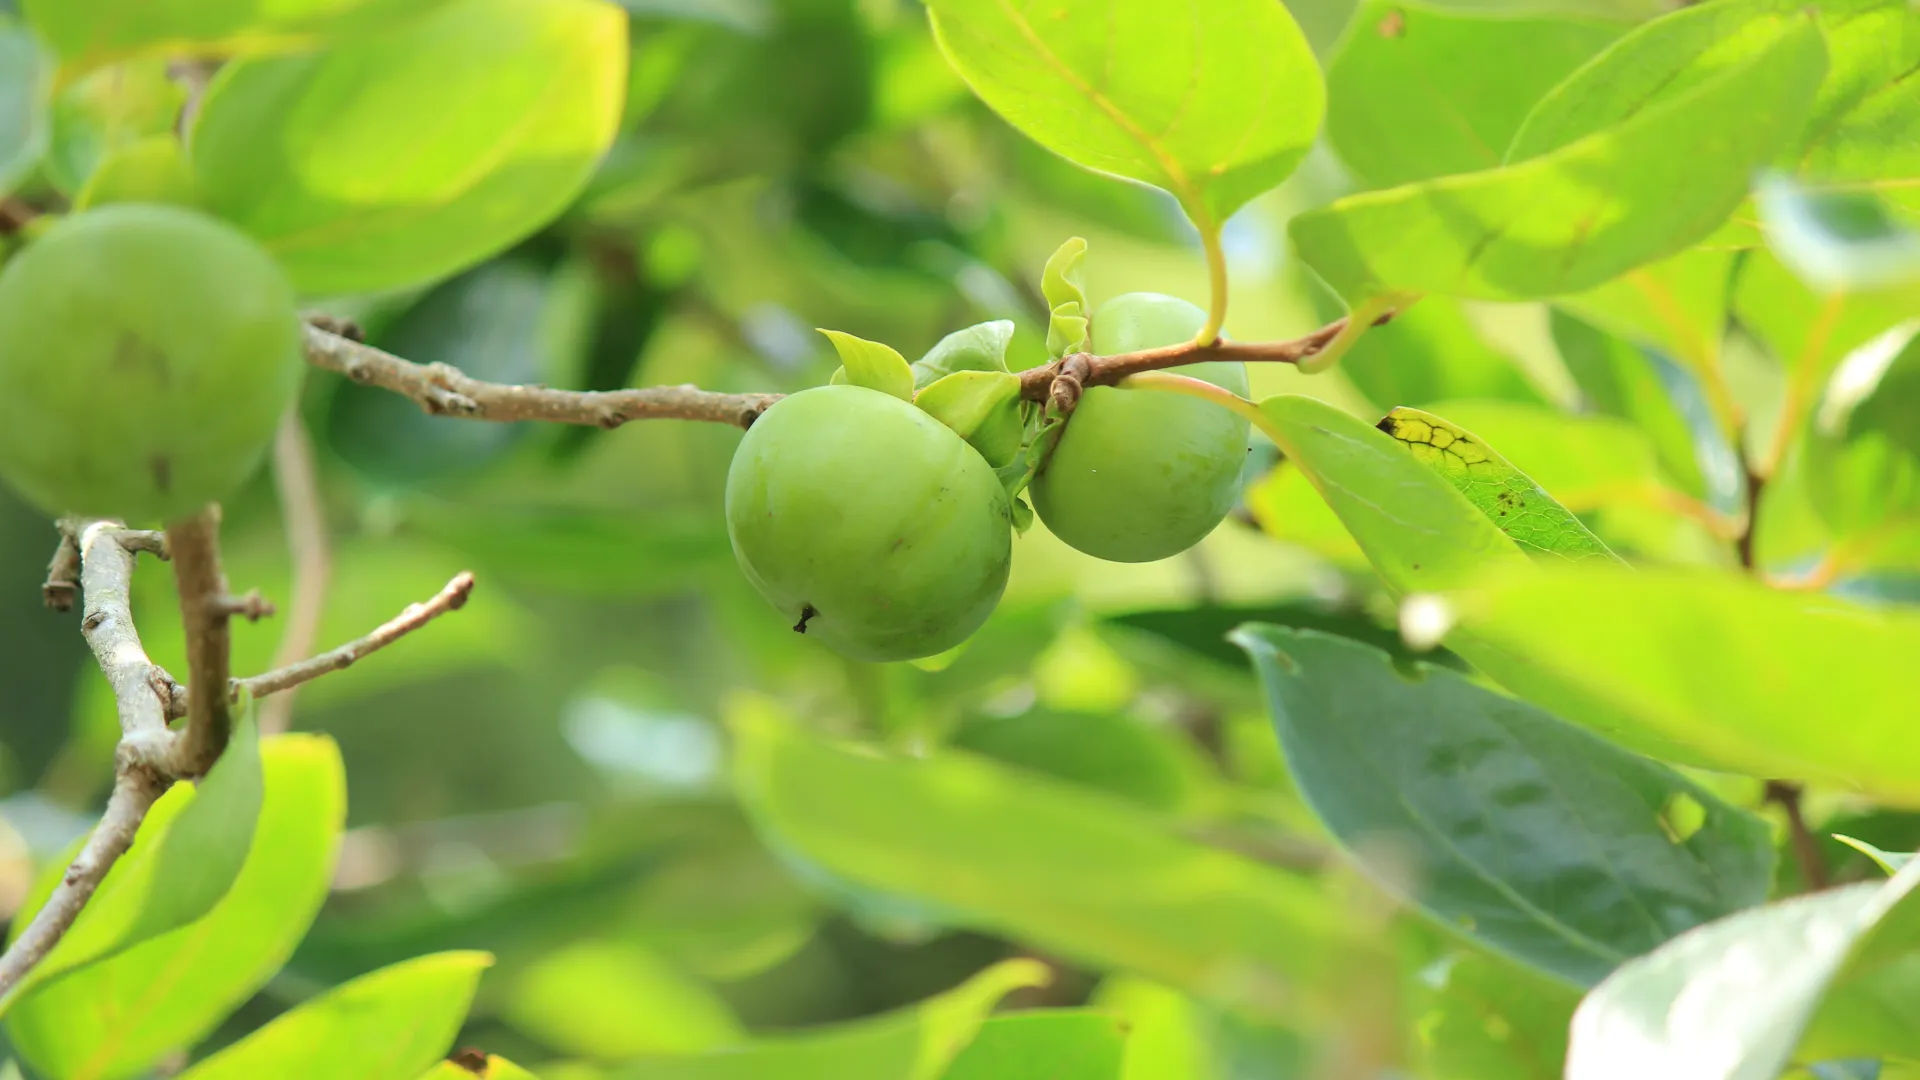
(252,607)
(1063,393)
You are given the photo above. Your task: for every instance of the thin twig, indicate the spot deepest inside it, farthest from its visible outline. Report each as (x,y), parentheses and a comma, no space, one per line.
(140,690)
(1806,849)
(443,390)
(451,598)
(306,526)
(63,572)
(205,609)
(1037,383)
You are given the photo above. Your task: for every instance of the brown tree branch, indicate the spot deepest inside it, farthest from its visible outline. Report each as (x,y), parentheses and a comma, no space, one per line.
(451,598)
(141,692)
(1037,383)
(305,522)
(443,390)
(205,610)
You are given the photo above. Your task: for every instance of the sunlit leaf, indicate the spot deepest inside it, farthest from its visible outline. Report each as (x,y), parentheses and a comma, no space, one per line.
(872,364)
(1640,386)
(982,407)
(396,158)
(1485,1018)
(1509,497)
(105,111)
(1735,999)
(1217,104)
(107,1023)
(1842,241)
(1710,669)
(1167,1037)
(1049,1044)
(184,859)
(916,1043)
(1890,861)
(1069,870)
(89,31)
(613,1001)
(1583,213)
(494,1067)
(1432,352)
(391,1024)
(1410,95)
(981,347)
(1530,835)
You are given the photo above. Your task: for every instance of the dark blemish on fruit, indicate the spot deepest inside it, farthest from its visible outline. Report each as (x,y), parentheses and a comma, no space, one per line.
(162,469)
(807,613)
(474,1061)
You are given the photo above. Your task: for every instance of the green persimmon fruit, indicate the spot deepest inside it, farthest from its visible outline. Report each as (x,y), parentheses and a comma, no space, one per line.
(868,523)
(1140,475)
(146,354)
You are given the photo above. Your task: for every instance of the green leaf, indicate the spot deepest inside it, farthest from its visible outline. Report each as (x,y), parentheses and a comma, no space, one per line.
(1890,861)
(1622,380)
(1069,870)
(1047,1044)
(614,1001)
(1064,279)
(1710,669)
(1213,102)
(872,365)
(980,347)
(392,159)
(105,111)
(152,170)
(916,1043)
(1807,331)
(106,1021)
(1485,1018)
(1166,1031)
(1107,750)
(1411,94)
(87,32)
(1533,837)
(1417,530)
(1677,305)
(25,84)
(1509,497)
(982,407)
(391,1024)
(1829,975)
(495,1068)
(1431,352)
(1584,213)
(184,859)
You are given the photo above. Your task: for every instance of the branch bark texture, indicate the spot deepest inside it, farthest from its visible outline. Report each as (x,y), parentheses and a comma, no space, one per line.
(205,610)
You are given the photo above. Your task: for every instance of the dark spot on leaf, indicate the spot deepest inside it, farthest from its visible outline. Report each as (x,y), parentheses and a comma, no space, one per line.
(807,613)
(162,469)
(1393,25)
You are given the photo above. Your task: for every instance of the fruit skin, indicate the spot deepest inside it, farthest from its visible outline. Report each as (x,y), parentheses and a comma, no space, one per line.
(146,355)
(1140,475)
(856,504)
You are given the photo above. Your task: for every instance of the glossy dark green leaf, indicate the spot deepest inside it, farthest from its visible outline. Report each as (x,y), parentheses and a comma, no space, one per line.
(1817,977)
(391,1024)
(1051,1044)
(1218,103)
(1528,834)
(1710,669)
(1417,530)
(1583,213)
(916,1043)
(397,158)
(1066,869)
(106,1023)
(1411,94)
(1510,498)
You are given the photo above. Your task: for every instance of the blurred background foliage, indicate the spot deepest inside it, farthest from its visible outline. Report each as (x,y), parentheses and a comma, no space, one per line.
(545,775)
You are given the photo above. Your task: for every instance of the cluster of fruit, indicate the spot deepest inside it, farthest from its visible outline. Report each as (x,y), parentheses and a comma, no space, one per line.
(882,531)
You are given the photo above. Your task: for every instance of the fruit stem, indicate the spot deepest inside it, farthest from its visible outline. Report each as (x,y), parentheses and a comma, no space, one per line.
(1216,287)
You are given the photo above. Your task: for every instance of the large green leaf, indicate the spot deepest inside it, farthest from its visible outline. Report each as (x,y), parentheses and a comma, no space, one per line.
(1829,975)
(1415,92)
(916,1043)
(186,855)
(1048,1044)
(613,1001)
(1214,102)
(396,158)
(1483,1017)
(87,32)
(1619,379)
(1069,870)
(1584,213)
(1678,306)
(1167,1037)
(1511,498)
(1532,836)
(391,1024)
(1432,352)
(1711,669)
(1419,532)
(119,1016)
(494,1068)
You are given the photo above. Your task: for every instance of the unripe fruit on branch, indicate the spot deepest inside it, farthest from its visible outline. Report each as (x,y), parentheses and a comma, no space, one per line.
(1140,475)
(146,355)
(868,523)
